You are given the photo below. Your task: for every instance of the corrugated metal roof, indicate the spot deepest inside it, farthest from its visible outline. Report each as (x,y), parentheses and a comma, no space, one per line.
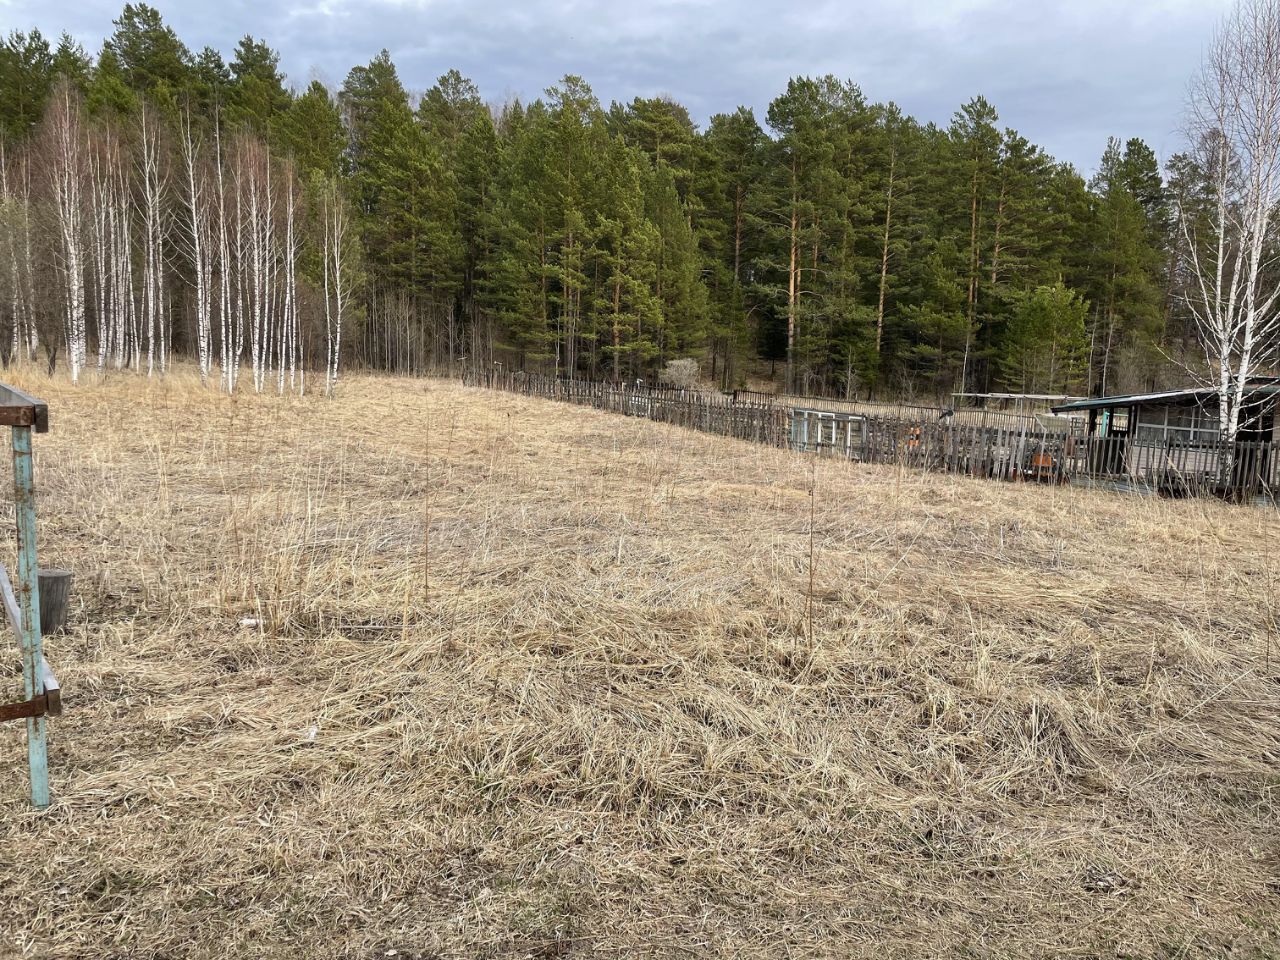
(1262,386)
(1129,400)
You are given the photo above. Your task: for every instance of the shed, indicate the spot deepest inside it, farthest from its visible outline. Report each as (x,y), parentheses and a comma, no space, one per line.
(1173,436)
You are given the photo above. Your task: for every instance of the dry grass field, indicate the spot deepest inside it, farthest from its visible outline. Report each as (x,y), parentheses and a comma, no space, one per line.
(428,672)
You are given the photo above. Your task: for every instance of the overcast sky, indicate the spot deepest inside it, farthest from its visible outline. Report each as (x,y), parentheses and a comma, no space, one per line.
(1066,74)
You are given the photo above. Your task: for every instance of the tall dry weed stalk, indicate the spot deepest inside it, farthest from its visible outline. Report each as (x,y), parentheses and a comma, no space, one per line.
(813,498)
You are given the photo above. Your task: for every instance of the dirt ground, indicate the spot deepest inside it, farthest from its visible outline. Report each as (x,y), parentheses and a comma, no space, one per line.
(428,672)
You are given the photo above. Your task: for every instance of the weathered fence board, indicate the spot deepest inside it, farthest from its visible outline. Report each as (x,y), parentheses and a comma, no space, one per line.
(1014,448)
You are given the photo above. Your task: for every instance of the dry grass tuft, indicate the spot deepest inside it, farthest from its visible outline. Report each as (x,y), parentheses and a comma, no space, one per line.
(580,715)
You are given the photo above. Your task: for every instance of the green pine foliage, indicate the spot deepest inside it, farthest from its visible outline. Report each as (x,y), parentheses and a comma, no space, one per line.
(26,78)
(842,246)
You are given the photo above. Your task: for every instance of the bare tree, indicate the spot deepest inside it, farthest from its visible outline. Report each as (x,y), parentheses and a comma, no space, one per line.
(337,269)
(102,177)
(67,176)
(200,231)
(14,209)
(288,333)
(154,187)
(231,342)
(256,211)
(126,328)
(266,247)
(24,263)
(1229,242)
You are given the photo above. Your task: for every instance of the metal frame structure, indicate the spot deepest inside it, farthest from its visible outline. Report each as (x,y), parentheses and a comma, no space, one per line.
(25,414)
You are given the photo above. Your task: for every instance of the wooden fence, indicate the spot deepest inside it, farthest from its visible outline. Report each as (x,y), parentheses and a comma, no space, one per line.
(1245,470)
(709,412)
(1004,453)
(969,416)
(1017,450)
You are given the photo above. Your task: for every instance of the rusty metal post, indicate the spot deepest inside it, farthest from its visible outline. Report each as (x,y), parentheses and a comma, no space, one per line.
(29,601)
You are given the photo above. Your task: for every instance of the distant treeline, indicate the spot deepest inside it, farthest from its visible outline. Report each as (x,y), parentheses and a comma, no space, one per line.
(157,200)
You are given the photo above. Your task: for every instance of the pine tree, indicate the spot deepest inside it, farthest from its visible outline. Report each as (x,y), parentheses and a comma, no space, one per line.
(729,187)
(256,97)
(975,147)
(459,124)
(515,276)
(626,251)
(310,129)
(1046,342)
(108,93)
(26,79)
(72,63)
(678,290)
(1126,276)
(409,217)
(803,174)
(151,58)
(210,81)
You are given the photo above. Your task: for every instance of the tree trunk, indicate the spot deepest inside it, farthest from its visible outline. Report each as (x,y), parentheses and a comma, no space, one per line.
(792,293)
(972,310)
(884,251)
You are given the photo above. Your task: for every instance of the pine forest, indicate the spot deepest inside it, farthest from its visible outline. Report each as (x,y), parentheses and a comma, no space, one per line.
(158,201)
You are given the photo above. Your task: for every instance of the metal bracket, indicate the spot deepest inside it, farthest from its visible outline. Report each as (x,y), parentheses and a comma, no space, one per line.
(35,707)
(48,702)
(52,690)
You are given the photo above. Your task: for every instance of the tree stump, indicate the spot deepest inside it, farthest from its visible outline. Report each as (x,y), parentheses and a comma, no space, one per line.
(55,592)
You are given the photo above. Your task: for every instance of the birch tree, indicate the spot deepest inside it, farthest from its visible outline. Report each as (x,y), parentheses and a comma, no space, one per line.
(15,250)
(1235,129)
(153,202)
(101,183)
(126,329)
(287,355)
(254,203)
(67,175)
(111,258)
(230,341)
(200,236)
(26,272)
(338,265)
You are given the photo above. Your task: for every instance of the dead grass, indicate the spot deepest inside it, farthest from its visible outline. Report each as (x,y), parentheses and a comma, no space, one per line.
(579,715)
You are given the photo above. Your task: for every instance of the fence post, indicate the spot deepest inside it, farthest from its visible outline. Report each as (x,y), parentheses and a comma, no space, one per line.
(29,601)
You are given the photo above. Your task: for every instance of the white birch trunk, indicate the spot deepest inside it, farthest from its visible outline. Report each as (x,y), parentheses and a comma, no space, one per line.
(1230,254)
(153,215)
(68,176)
(198,225)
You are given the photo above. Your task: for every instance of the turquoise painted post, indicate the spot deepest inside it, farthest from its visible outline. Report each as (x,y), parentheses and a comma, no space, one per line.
(29,600)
